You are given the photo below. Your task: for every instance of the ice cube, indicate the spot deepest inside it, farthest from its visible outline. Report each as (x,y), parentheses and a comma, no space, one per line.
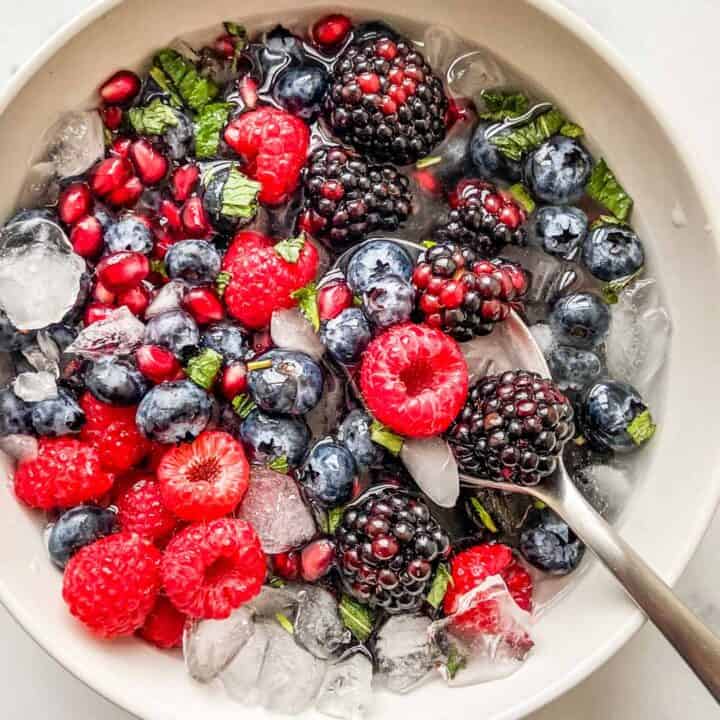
(19,447)
(118,334)
(325,416)
(36,357)
(470,73)
(290,677)
(291,330)
(275,508)
(318,627)
(210,645)
(40,275)
(606,487)
(240,676)
(75,143)
(41,187)
(169,297)
(273,600)
(35,386)
(543,336)
(432,465)
(346,692)
(441,45)
(50,350)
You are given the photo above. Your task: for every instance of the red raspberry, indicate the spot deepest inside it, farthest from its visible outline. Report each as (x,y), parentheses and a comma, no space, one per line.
(111,585)
(141,510)
(66,472)
(414,379)
(205,479)
(164,625)
(262,280)
(274,146)
(210,569)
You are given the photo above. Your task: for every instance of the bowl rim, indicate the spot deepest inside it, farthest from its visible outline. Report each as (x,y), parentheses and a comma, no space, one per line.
(610,55)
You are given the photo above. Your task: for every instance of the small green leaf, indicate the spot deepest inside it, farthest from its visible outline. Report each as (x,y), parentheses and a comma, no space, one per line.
(428,161)
(279,464)
(335,516)
(276,582)
(222,281)
(285,623)
(604,187)
(196,91)
(357,301)
(642,428)
(428,244)
(455,662)
(521,194)
(483,514)
(382,435)
(163,82)
(208,126)
(501,105)
(202,369)
(239,195)
(572,130)
(603,220)
(441,582)
(290,249)
(243,405)
(307,302)
(152,119)
(516,141)
(158,266)
(357,618)
(237,31)
(610,291)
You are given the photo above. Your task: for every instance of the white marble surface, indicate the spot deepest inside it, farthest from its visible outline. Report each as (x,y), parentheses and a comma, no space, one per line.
(673,47)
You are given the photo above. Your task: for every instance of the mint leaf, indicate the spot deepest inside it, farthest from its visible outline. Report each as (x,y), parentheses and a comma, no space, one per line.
(222,281)
(237,31)
(521,194)
(204,368)
(642,428)
(208,126)
(279,464)
(611,290)
(307,302)
(153,119)
(357,618)
(158,266)
(572,130)
(285,623)
(441,582)
(428,161)
(163,82)
(428,244)
(243,405)
(290,249)
(455,662)
(501,105)
(483,514)
(382,435)
(239,195)
(518,140)
(602,220)
(196,91)
(276,582)
(335,516)
(604,187)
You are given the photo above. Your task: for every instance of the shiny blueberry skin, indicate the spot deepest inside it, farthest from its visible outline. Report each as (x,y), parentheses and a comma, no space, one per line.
(278,47)
(57,416)
(269,437)
(328,473)
(488,161)
(549,544)
(608,409)
(388,300)
(175,330)
(174,412)
(76,528)
(559,230)
(229,340)
(180,137)
(376,258)
(15,414)
(129,233)
(354,433)
(611,252)
(197,262)
(291,386)
(300,90)
(213,201)
(11,338)
(115,382)
(581,320)
(574,368)
(346,335)
(558,170)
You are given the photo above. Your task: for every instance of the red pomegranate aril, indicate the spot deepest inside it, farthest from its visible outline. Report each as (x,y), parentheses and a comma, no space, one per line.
(195,219)
(128,194)
(333,298)
(86,237)
(170,213)
(287,565)
(329,31)
(123,270)
(121,147)
(247,87)
(225,46)
(234,380)
(150,164)
(121,88)
(135,299)
(102,294)
(204,305)
(95,312)
(74,203)
(157,363)
(316,559)
(183,182)
(112,116)
(110,175)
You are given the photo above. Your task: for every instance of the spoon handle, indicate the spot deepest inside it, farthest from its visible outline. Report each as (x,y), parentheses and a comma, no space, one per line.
(699,647)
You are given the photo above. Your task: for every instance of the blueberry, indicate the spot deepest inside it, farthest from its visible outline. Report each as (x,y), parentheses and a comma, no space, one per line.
(129,233)
(115,382)
(291,386)
(213,190)
(373,29)
(581,320)
(488,161)
(573,368)
(300,90)
(269,438)
(15,414)
(558,170)
(559,230)
(615,417)
(611,252)
(175,330)
(179,138)
(231,341)
(103,216)
(346,335)
(549,544)
(195,261)
(11,338)
(280,46)
(76,528)
(328,473)
(174,412)
(57,416)
(354,433)
(388,300)
(375,258)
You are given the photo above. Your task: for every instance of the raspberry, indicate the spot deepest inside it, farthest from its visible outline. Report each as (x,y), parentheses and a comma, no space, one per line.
(205,479)
(261,279)
(274,146)
(469,569)
(414,379)
(141,510)
(210,569)
(112,584)
(66,472)
(164,625)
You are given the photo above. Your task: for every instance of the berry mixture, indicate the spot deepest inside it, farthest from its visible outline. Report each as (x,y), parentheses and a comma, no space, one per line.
(262,320)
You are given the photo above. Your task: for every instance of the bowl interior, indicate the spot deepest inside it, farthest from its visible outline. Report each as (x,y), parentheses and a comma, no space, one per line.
(668,512)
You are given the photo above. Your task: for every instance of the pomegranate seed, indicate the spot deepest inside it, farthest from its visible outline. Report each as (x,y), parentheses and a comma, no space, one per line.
(195,219)
(511,216)
(111,174)
(121,88)
(183,182)
(74,203)
(316,559)
(492,202)
(135,299)
(388,105)
(170,212)
(95,312)
(86,237)
(262,341)
(386,49)
(287,565)
(157,363)
(121,147)
(204,305)
(225,46)
(149,163)
(128,194)
(162,245)
(248,88)
(234,380)
(123,270)
(329,31)
(428,181)
(333,299)
(112,116)
(368,82)
(102,294)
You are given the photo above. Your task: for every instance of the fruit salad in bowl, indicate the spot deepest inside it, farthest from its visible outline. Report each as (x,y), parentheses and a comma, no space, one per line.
(273,280)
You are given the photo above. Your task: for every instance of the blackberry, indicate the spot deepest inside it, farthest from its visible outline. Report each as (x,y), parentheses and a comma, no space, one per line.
(463,295)
(385,100)
(346,198)
(388,549)
(513,428)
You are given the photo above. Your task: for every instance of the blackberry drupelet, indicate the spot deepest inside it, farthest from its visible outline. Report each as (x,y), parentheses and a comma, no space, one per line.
(385,100)
(513,428)
(388,548)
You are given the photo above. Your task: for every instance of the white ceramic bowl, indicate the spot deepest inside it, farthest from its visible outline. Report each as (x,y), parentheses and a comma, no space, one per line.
(668,512)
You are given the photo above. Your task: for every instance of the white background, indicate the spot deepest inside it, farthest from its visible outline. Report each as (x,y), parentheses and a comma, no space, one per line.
(673,47)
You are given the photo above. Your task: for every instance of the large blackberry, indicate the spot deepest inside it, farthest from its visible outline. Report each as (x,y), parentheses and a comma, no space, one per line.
(388,548)
(513,428)
(463,295)
(347,198)
(385,101)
